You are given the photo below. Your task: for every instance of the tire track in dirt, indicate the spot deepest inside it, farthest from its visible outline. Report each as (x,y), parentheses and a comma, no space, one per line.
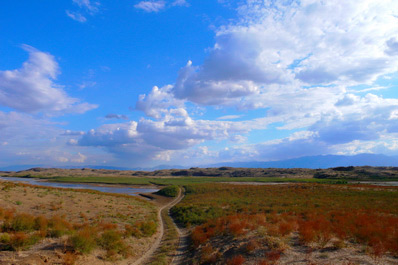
(147,256)
(182,253)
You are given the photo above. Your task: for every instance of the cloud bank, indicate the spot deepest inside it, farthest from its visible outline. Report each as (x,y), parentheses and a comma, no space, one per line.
(31,88)
(300,62)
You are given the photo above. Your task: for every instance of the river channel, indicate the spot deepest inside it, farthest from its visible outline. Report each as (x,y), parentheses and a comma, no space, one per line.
(98,187)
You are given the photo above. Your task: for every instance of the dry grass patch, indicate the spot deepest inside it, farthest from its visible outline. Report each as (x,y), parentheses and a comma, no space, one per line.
(72,226)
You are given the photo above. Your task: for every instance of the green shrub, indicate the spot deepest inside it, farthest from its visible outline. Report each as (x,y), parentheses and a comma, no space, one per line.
(112,242)
(21,240)
(5,238)
(169,191)
(147,228)
(41,223)
(132,231)
(22,222)
(84,241)
(59,227)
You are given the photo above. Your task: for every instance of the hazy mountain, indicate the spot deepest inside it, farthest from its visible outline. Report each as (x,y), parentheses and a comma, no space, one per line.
(323,161)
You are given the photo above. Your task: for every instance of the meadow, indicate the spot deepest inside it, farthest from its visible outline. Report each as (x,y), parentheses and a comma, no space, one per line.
(264,224)
(181,181)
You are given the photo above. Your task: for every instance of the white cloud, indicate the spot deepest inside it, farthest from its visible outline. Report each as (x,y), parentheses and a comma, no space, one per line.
(79,158)
(154,6)
(76,16)
(31,88)
(86,7)
(116,116)
(392,46)
(73,133)
(180,3)
(175,130)
(156,103)
(39,141)
(151,6)
(294,44)
(299,61)
(229,117)
(92,7)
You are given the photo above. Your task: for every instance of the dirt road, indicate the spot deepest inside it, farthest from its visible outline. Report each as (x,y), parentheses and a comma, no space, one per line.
(146,257)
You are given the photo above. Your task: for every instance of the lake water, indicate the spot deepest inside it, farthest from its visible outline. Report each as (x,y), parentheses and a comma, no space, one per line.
(102,188)
(387,183)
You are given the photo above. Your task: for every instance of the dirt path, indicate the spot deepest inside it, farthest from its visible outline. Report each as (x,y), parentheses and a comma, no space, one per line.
(182,252)
(145,258)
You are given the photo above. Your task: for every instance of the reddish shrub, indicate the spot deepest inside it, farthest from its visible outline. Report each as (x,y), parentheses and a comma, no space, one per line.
(252,246)
(273,256)
(237,260)
(285,228)
(198,236)
(208,255)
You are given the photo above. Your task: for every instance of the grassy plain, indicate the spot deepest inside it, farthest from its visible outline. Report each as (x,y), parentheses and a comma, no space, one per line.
(180,180)
(57,226)
(315,223)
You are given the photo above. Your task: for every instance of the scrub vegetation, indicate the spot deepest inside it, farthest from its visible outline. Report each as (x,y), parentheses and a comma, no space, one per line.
(66,226)
(235,216)
(234,224)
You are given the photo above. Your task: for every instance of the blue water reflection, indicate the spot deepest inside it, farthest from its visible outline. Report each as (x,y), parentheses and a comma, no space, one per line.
(110,189)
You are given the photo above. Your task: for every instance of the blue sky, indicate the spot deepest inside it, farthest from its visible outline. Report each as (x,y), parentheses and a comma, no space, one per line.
(142,83)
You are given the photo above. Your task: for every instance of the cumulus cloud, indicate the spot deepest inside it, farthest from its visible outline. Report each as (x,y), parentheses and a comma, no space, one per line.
(392,46)
(157,102)
(296,43)
(294,60)
(31,88)
(175,130)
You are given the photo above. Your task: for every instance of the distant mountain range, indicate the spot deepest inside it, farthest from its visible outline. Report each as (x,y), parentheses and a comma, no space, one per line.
(322,161)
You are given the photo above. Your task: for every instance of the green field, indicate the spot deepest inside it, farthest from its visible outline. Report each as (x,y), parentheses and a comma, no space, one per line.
(184,180)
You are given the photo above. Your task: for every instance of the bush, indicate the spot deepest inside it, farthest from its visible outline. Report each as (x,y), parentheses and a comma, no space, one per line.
(148,228)
(113,243)
(141,229)
(84,241)
(41,224)
(22,222)
(237,260)
(21,240)
(59,227)
(169,191)
(132,231)
(5,238)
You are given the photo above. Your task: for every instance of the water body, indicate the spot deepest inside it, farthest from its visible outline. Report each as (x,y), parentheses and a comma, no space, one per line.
(102,188)
(387,183)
